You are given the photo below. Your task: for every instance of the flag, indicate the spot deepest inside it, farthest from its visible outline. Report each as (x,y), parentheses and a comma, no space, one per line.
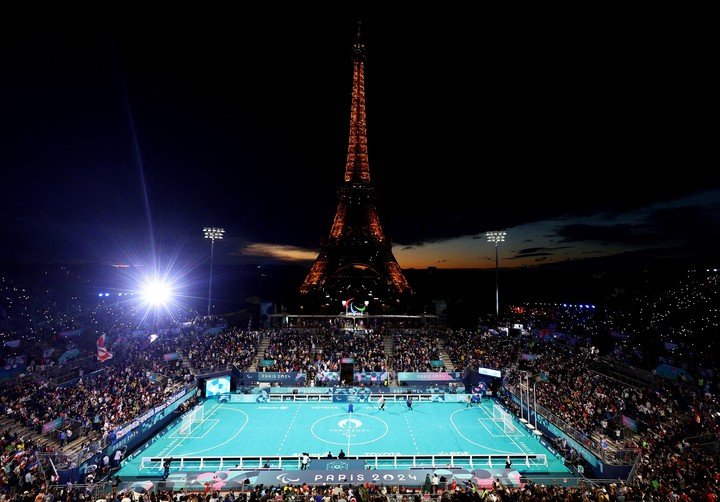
(13,343)
(103,354)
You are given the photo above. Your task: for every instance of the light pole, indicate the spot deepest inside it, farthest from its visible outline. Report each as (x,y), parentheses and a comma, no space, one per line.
(212,233)
(496,238)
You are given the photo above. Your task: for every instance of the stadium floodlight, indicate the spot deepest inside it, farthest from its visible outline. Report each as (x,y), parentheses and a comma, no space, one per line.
(157,293)
(212,233)
(496,237)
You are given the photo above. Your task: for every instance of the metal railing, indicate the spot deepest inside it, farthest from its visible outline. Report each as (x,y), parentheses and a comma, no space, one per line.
(708,443)
(587,441)
(633,472)
(372,461)
(628,375)
(96,490)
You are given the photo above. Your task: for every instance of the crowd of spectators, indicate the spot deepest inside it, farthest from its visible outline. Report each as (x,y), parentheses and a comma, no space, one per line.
(212,352)
(473,349)
(137,378)
(452,492)
(321,351)
(414,352)
(666,417)
(19,468)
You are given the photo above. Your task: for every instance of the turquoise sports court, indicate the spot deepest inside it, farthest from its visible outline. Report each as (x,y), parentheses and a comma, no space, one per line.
(222,432)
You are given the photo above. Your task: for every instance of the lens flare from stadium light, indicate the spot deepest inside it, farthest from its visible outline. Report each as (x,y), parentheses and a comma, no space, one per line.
(157,293)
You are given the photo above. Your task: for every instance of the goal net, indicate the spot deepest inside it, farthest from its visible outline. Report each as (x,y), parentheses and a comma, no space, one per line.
(503,419)
(192,421)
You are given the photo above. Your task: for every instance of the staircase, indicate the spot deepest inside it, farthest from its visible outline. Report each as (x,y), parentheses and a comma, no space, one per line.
(264,344)
(388,346)
(445,358)
(186,362)
(25,433)
(389,351)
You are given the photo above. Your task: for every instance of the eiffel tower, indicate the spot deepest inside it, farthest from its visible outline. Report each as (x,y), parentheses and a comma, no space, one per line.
(356,259)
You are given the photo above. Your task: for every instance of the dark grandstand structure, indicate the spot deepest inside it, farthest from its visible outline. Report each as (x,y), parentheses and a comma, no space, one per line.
(356,259)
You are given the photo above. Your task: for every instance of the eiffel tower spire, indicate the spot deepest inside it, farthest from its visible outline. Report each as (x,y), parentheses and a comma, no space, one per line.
(356,259)
(357,166)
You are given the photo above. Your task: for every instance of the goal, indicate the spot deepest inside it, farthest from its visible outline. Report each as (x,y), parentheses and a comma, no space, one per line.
(192,421)
(503,419)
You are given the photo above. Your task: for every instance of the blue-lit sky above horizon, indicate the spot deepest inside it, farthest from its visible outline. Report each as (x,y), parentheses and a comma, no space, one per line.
(581,140)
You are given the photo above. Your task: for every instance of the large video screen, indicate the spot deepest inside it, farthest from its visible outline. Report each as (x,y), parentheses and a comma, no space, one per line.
(216,386)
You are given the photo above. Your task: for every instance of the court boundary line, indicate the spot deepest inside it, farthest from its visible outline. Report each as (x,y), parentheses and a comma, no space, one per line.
(511,438)
(231,438)
(215,421)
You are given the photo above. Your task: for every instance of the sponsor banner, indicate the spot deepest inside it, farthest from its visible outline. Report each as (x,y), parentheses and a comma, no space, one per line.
(292,390)
(17,360)
(490,372)
(672,372)
(51,425)
(172,356)
(437,364)
(629,423)
(70,334)
(414,477)
(351,395)
(67,355)
(243,398)
(284,378)
(140,429)
(371,378)
(328,377)
(432,376)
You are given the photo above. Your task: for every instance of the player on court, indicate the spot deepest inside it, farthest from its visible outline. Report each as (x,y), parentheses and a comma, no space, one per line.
(409,402)
(350,407)
(382,403)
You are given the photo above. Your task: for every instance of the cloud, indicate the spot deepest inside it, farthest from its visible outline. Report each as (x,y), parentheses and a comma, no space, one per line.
(280,252)
(684,225)
(621,233)
(527,251)
(693,225)
(413,246)
(537,251)
(528,255)
(527,240)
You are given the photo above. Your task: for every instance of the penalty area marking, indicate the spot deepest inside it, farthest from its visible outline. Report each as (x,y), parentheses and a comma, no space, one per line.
(214,421)
(452,421)
(231,438)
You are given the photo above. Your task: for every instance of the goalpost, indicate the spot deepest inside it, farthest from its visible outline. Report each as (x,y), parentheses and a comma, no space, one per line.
(503,419)
(192,421)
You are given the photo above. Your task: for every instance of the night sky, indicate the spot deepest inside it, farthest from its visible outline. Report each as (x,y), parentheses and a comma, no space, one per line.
(584,135)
